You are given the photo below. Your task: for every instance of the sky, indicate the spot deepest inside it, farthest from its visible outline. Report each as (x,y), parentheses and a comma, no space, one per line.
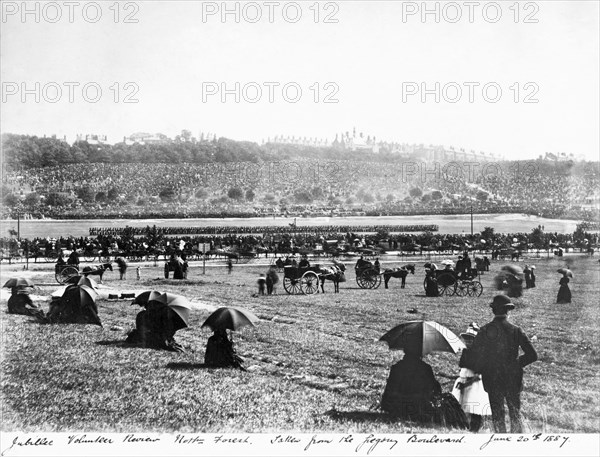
(374,66)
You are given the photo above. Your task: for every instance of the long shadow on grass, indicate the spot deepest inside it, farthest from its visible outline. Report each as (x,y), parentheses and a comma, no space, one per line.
(187,366)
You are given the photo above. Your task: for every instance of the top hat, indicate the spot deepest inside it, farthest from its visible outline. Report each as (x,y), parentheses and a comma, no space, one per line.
(502,301)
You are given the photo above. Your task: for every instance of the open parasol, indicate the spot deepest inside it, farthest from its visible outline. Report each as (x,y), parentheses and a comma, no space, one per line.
(513,269)
(423,337)
(146,296)
(565,271)
(231,318)
(82,281)
(18,282)
(178,303)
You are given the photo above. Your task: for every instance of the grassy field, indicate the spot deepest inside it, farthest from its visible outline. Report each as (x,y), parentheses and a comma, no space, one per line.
(314,362)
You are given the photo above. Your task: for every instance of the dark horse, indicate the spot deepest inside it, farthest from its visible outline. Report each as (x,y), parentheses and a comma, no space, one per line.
(401,273)
(97,270)
(334,273)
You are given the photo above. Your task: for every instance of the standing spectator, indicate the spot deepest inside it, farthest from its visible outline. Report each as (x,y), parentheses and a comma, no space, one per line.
(459,266)
(466,265)
(468,389)
(122,264)
(527,275)
(73,259)
(261,284)
(138,273)
(431,285)
(532,273)
(564,293)
(495,356)
(269,281)
(229,266)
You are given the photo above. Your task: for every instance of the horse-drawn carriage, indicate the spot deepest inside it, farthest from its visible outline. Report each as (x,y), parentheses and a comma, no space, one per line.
(62,273)
(368,275)
(450,282)
(301,280)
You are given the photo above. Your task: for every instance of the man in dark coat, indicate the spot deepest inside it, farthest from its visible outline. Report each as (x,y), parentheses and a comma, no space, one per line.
(496,357)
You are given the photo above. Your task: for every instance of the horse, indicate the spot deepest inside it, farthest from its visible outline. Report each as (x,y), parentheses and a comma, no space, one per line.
(400,273)
(97,270)
(333,273)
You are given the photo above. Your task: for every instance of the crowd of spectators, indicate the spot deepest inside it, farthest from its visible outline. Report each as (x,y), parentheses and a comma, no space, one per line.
(233,179)
(270,229)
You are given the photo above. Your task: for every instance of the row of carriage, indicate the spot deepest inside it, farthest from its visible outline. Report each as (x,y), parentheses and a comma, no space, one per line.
(305,280)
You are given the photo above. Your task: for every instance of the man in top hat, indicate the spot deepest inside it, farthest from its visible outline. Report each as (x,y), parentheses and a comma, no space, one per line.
(496,357)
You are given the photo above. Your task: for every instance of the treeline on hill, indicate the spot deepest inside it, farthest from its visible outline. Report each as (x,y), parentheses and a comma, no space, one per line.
(24,151)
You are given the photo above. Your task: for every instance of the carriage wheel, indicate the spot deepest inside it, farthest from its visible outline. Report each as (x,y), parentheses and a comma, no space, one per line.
(462,288)
(475,289)
(309,284)
(65,274)
(446,284)
(292,286)
(370,279)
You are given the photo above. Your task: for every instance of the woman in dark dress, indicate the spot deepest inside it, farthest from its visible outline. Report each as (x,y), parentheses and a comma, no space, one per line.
(431,286)
(410,389)
(220,353)
(564,293)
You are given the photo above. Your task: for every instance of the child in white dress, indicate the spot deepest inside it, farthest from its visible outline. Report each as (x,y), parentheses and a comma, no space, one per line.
(468,388)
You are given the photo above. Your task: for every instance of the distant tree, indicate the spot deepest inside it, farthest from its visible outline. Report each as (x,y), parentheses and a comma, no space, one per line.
(250,195)
(201,194)
(11,200)
(270,197)
(32,199)
(537,238)
(86,194)
(426,198)
(368,198)
(482,196)
(112,194)
(415,192)
(167,194)
(57,199)
(488,234)
(235,193)
(436,195)
(303,197)
(389,198)
(101,197)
